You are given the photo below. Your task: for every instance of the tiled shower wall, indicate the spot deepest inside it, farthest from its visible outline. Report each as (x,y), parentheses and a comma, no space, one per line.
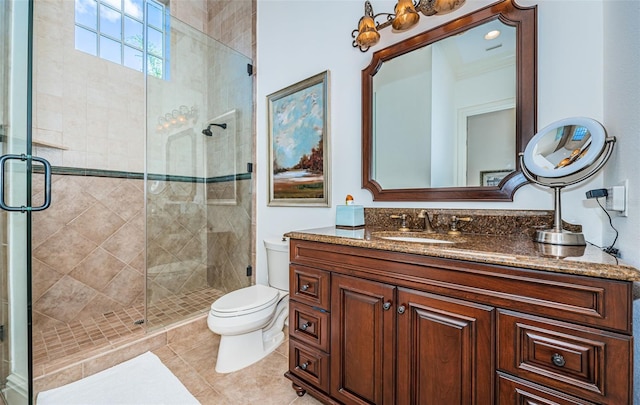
(233,23)
(88,247)
(228,229)
(193,245)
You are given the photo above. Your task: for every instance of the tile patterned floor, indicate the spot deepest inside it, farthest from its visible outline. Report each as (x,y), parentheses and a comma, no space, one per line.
(64,345)
(261,383)
(190,354)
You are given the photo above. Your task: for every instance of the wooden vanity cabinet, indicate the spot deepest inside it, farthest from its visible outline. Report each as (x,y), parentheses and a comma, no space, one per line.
(444,351)
(385,327)
(362,340)
(309,292)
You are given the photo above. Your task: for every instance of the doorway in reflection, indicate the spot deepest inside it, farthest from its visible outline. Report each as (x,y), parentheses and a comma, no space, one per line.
(490,148)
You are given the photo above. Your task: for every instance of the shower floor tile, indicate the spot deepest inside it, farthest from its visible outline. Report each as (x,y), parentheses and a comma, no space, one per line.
(62,346)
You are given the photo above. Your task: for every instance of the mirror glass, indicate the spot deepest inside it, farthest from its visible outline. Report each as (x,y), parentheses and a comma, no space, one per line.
(444,114)
(565,147)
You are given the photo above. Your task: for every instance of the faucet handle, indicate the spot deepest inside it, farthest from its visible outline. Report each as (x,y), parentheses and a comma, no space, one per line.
(403,217)
(453,226)
(464,219)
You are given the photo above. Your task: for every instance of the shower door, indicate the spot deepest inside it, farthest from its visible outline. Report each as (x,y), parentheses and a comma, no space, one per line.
(16,166)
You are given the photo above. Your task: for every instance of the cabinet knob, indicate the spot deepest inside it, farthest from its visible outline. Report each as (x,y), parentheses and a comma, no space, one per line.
(558,360)
(304,365)
(305,287)
(304,326)
(401,309)
(386,306)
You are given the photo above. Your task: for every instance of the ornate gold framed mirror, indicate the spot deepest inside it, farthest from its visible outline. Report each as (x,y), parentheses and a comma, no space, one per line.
(445,113)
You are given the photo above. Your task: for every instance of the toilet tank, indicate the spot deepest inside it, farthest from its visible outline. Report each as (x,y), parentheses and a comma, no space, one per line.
(278,262)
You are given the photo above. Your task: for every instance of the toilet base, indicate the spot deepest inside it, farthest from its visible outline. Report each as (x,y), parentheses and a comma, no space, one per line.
(239,351)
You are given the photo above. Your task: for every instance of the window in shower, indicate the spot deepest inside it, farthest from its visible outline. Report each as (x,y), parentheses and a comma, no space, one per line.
(127,32)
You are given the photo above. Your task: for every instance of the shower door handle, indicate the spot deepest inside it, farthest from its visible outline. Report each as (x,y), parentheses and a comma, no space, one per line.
(47,182)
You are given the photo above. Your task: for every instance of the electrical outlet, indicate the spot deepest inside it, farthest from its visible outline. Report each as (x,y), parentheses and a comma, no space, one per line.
(617,198)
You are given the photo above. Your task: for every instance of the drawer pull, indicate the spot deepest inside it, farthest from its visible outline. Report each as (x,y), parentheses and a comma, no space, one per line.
(386,306)
(304,365)
(558,360)
(304,326)
(401,309)
(305,287)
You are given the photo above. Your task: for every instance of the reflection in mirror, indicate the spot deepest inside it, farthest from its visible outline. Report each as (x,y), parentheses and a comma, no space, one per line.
(563,147)
(444,113)
(564,150)
(490,148)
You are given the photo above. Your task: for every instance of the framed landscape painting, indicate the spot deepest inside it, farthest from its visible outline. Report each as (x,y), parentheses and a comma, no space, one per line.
(298,144)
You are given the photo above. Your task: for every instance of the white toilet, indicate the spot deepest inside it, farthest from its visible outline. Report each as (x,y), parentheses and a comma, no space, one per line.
(250,320)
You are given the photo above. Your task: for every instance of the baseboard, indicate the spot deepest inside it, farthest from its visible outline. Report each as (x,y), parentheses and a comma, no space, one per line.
(16,389)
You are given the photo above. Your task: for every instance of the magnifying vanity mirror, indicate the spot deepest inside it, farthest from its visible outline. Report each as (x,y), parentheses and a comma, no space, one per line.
(445,111)
(564,153)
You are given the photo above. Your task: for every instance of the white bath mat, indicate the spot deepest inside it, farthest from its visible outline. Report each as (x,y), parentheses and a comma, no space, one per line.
(143,380)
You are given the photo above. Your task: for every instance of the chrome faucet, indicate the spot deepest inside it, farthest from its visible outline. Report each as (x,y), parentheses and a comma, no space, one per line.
(428,228)
(403,217)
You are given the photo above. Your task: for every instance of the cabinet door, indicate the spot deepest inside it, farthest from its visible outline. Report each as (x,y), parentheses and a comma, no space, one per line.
(362,341)
(444,350)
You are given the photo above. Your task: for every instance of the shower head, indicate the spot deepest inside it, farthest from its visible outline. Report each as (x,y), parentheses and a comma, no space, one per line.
(207,130)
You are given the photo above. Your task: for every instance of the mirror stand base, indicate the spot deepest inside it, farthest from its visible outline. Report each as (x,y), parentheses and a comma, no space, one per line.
(563,237)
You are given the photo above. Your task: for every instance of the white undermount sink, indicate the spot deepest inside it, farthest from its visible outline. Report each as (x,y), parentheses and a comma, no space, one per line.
(415,239)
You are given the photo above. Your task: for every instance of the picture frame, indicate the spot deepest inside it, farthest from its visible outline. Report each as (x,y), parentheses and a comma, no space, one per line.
(298,136)
(492,178)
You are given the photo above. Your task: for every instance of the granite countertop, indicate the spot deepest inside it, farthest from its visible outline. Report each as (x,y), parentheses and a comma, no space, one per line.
(507,250)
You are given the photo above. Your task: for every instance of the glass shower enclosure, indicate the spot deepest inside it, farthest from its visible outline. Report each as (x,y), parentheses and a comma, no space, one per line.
(82,267)
(198,177)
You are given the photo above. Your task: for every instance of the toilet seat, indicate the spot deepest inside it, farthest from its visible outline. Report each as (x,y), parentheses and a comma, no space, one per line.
(245,301)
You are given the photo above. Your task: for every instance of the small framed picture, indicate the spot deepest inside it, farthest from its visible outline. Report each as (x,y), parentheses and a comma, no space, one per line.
(492,178)
(299,144)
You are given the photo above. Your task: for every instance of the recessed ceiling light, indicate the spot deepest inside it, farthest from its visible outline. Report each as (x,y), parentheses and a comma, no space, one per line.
(492,35)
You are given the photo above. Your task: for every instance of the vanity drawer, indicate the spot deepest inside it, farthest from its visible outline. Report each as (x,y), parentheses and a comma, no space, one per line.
(586,362)
(309,363)
(309,325)
(513,390)
(310,286)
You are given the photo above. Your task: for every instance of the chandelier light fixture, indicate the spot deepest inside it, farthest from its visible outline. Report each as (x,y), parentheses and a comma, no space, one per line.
(406,15)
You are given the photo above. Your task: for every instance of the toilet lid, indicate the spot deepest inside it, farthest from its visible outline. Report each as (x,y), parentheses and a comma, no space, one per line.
(254,298)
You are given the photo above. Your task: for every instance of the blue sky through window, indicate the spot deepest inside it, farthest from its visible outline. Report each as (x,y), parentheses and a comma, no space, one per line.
(115,31)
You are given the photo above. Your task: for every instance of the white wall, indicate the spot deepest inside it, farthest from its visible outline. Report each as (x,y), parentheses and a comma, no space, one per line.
(621,118)
(297,39)
(622,115)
